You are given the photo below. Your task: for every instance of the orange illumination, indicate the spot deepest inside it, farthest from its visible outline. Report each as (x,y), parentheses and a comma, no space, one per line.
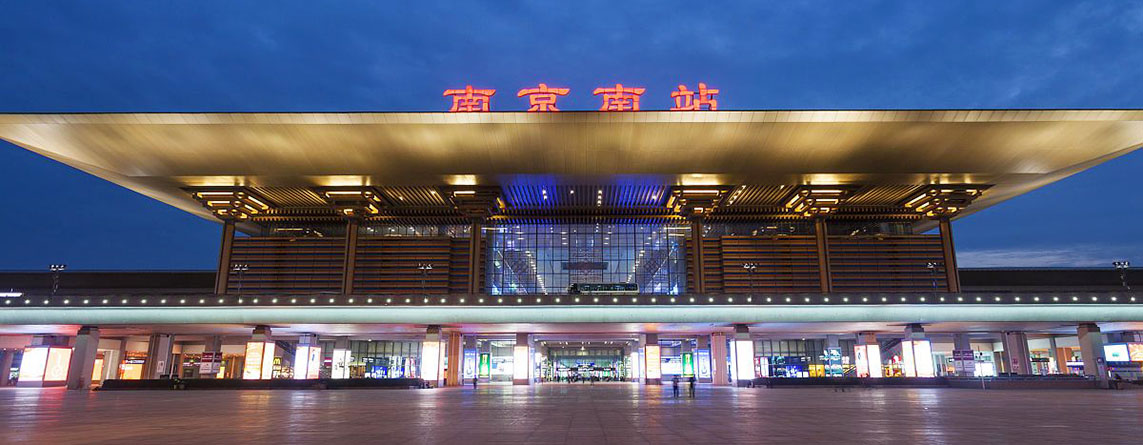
(619,98)
(542,98)
(687,100)
(700,192)
(470,99)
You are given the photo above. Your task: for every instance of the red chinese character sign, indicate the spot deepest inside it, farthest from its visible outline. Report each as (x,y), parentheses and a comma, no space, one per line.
(687,100)
(542,98)
(470,99)
(619,98)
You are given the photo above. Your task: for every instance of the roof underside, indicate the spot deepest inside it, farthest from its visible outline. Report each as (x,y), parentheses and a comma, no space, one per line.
(586,163)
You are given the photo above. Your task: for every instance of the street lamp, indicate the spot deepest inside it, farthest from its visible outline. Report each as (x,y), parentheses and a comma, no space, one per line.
(750,271)
(424,268)
(1122,267)
(933,265)
(56,269)
(239,269)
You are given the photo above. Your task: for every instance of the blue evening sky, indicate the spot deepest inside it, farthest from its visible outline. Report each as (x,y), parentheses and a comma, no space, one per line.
(398,56)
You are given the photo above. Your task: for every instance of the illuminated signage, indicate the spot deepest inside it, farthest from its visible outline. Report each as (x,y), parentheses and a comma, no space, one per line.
(339,368)
(653,362)
(1135,351)
(917,358)
(44,365)
(704,364)
(259,361)
(542,98)
(485,367)
(307,362)
(33,363)
(520,364)
(867,360)
(469,367)
(1116,353)
(430,360)
(688,364)
(743,360)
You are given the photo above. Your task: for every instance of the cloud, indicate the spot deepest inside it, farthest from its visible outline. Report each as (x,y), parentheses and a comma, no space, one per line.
(1073,256)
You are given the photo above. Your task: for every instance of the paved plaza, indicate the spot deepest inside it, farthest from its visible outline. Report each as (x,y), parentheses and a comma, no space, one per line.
(561,413)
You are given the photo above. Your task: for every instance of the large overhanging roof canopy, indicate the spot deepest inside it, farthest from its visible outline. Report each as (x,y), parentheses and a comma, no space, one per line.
(618,163)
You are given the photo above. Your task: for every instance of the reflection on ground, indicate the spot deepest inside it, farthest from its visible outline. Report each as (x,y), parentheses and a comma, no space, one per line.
(571,413)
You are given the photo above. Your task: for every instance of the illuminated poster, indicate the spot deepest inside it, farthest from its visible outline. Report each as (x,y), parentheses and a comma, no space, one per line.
(469,367)
(653,362)
(1135,351)
(704,364)
(33,364)
(873,354)
(1116,353)
(744,360)
(520,362)
(688,364)
(485,364)
(430,360)
(59,360)
(340,364)
(253,368)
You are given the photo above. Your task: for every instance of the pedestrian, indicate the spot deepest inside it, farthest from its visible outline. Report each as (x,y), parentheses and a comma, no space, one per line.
(474,383)
(675,385)
(692,382)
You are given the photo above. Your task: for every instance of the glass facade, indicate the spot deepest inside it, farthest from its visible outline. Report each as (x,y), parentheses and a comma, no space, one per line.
(384,359)
(547,258)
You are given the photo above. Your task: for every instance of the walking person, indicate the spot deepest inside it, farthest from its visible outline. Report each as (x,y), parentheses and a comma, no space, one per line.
(474,383)
(692,388)
(675,385)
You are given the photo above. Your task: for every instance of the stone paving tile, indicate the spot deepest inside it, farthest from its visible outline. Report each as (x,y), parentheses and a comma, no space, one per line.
(570,414)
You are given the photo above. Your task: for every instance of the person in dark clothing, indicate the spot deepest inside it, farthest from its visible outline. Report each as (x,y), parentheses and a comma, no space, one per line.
(692,388)
(675,385)
(474,383)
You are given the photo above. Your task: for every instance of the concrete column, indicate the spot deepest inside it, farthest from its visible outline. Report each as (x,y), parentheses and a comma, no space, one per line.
(702,343)
(83,358)
(349,266)
(455,354)
(952,276)
(833,342)
(522,360)
(1016,348)
(718,355)
(652,360)
(1091,348)
(6,365)
(1053,354)
(961,342)
(222,278)
(822,236)
(159,356)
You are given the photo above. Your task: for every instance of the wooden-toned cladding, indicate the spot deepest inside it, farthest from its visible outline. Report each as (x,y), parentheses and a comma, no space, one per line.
(280,264)
(890,263)
(782,264)
(887,263)
(389,265)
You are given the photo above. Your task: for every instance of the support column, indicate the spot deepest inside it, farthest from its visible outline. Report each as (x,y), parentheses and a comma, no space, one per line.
(652,360)
(159,356)
(522,360)
(1053,354)
(1091,348)
(307,357)
(349,267)
(824,273)
(721,376)
(952,274)
(222,278)
(702,359)
(742,356)
(867,355)
(339,365)
(917,353)
(476,233)
(212,348)
(6,365)
(1016,348)
(963,358)
(431,357)
(455,356)
(83,358)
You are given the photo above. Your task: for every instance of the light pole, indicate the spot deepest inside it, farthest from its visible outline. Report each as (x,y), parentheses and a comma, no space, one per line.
(56,269)
(933,265)
(424,268)
(1122,267)
(239,269)
(750,272)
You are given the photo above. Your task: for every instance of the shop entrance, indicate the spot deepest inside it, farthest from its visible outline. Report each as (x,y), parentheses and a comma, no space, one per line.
(586,361)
